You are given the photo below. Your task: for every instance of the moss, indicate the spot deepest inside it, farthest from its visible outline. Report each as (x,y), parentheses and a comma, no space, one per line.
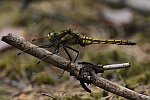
(7,64)
(106,57)
(134,69)
(4,98)
(143,78)
(96,95)
(43,78)
(121,98)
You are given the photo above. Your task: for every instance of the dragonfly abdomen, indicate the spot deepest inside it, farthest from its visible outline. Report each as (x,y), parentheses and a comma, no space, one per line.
(88,41)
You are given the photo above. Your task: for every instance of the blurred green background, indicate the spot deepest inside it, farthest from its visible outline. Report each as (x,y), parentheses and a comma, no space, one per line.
(97,19)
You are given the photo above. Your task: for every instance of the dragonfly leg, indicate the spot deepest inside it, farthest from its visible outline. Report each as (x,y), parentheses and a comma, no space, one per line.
(74,51)
(56,50)
(68,63)
(48,46)
(68,54)
(45,56)
(44,46)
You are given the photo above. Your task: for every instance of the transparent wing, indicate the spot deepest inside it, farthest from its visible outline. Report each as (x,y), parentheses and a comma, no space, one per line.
(72,49)
(40,41)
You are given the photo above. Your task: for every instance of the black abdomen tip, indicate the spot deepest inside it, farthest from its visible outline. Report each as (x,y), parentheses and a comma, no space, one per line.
(128,43)
(131,43)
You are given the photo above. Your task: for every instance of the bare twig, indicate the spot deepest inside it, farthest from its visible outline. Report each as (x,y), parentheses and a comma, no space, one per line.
(101,68)
(60,62)
(116,66)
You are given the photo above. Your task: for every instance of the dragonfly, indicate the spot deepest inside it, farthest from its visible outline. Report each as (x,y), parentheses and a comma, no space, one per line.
(65,39)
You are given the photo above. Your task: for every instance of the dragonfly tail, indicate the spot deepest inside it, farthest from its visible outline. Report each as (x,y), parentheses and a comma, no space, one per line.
(112,41)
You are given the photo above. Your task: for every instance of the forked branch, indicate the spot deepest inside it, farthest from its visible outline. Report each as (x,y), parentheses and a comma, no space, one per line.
(74,69)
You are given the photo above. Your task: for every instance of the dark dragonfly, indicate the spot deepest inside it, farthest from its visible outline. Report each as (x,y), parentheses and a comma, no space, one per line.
(67,38)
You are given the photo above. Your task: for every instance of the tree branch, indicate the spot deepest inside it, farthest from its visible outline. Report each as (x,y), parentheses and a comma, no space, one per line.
(74,69)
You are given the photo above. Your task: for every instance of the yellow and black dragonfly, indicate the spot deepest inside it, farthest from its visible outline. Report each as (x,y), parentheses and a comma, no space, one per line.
(67,38)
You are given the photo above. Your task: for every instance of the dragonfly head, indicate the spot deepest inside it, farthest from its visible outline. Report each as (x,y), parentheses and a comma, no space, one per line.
(52,36)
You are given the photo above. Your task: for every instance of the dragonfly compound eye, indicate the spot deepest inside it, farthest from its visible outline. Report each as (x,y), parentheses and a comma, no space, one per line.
(52,35)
